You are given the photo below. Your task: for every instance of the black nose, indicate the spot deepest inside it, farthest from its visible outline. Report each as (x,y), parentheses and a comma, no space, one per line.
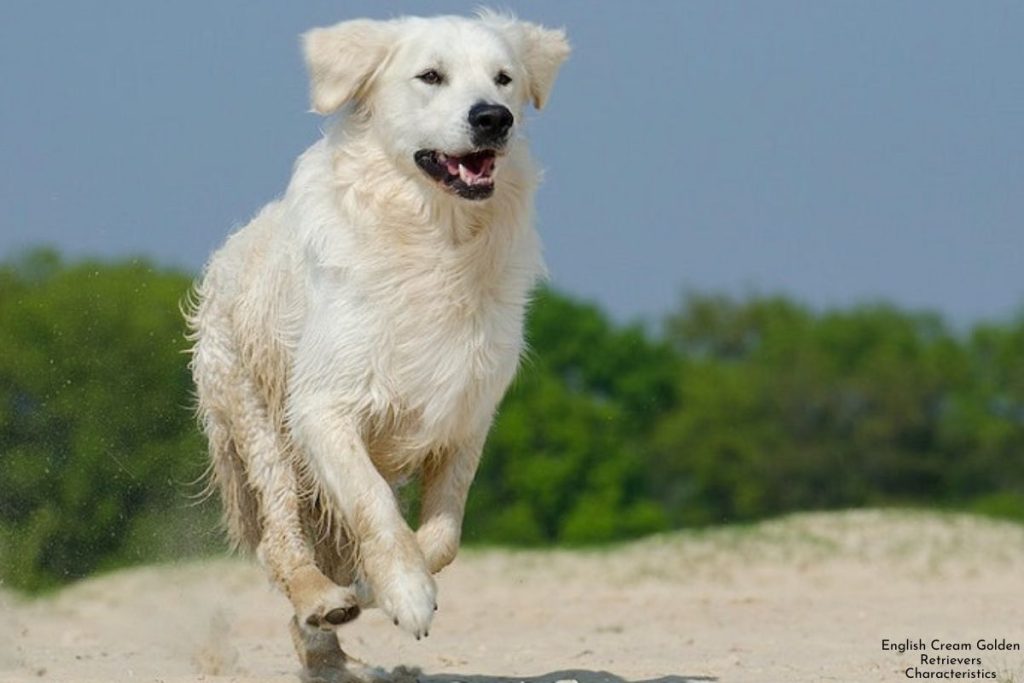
(490,122)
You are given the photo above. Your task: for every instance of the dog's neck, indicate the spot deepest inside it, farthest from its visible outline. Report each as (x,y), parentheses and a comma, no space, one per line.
(369,178)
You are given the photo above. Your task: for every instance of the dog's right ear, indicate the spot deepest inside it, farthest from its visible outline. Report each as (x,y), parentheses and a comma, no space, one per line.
(342,60)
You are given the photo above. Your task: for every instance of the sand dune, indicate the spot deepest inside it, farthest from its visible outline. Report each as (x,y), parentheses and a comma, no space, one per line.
(806,598)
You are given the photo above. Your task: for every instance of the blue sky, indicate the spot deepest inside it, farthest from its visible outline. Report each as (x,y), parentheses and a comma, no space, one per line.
(835,151)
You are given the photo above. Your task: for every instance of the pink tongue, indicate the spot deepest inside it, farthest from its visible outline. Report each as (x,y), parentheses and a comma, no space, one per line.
(474,167)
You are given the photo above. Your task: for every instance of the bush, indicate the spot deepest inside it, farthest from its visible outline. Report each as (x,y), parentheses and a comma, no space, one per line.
(95,428)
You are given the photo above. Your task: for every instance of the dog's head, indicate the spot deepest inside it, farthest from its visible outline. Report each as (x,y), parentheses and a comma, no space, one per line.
(445,97)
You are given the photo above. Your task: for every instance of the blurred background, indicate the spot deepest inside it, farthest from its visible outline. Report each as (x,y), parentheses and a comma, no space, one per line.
(785,242)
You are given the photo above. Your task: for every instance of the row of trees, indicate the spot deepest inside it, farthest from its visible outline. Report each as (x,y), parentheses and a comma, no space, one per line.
(746,408)
(739,409)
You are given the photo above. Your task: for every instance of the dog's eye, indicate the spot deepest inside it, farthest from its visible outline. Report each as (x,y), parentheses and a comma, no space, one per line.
(431,77)
(502,78)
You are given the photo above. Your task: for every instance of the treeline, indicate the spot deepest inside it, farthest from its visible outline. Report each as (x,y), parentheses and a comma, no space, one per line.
(738,409)
(748,408)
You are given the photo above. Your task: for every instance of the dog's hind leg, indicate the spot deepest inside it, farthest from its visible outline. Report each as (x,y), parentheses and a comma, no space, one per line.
(240,507)
(316,649)
(261,496)
(283,548)
(324,659)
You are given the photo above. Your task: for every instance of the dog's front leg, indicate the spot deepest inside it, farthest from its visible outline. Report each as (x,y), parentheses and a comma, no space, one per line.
(446,481)
(389,558)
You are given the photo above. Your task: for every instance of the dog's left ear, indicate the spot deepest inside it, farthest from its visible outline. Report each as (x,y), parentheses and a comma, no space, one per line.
(542,50)
(342,60)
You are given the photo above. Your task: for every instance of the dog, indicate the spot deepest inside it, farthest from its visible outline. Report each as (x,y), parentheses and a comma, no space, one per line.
(361,330)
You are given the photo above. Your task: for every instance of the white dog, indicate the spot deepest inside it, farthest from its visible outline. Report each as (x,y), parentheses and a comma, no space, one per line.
(363,328)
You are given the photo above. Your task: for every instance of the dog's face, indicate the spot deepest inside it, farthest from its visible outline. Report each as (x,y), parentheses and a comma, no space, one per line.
(445,97)
(450,99)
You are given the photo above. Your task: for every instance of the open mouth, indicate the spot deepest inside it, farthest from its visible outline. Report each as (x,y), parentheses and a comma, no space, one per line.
(470,176)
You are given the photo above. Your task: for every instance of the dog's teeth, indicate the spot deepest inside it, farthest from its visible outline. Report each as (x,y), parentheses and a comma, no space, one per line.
(464,175)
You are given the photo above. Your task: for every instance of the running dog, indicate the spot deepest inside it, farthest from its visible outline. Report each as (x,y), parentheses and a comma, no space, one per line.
(362,329)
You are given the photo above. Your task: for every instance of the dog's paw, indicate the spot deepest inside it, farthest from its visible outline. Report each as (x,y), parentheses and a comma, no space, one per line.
(330,609)
(439,543)
(409,598)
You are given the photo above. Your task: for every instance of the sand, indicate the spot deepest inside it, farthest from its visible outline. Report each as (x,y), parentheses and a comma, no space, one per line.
(805,598)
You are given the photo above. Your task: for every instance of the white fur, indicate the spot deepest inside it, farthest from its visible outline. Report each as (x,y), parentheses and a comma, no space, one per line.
(363,328)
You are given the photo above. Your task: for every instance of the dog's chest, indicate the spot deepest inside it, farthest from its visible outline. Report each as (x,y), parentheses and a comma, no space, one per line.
(446,366)
(428,357)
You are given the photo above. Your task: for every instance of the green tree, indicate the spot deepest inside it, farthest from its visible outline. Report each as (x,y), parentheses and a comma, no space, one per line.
(567,457)
(784,409)
(96,436)
(744,408)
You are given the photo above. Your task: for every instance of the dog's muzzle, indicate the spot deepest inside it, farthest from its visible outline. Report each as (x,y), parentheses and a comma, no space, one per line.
(470,176)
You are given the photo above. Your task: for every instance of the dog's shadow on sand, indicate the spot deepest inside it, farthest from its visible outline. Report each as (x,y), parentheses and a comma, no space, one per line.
(404,674)
(564,676)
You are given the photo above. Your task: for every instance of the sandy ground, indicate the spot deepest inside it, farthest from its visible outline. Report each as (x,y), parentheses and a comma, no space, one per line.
(807,598)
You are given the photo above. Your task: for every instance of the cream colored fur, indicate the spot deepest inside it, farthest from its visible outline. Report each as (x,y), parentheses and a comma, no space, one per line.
(362,329)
